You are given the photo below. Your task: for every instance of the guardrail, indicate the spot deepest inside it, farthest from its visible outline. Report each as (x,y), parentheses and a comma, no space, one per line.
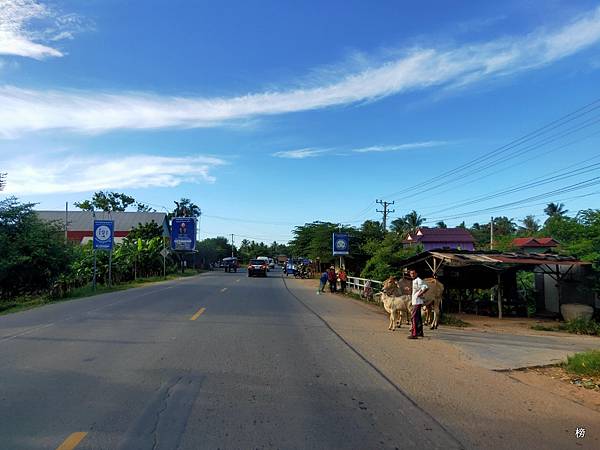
(357,284)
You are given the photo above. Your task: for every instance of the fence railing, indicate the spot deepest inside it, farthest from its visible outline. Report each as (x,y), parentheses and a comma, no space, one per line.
(357,284)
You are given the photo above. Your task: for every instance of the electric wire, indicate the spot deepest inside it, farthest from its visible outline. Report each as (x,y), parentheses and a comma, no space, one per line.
(522,187)
(576,186)
(580,112)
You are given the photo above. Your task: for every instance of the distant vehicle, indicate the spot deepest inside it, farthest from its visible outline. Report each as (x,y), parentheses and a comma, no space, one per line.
(271,263)
(290,269)
(266,261)
(230,264)
(257,267)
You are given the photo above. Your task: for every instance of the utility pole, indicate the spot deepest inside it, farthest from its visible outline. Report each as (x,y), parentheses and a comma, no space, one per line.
(66,222)
(385,212)
(491,233)
(232,245)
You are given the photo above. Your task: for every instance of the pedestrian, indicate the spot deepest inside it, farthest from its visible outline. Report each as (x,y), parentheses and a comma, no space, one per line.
(343,280)
(323,281)
(332,278)
(418,289)
(368,291)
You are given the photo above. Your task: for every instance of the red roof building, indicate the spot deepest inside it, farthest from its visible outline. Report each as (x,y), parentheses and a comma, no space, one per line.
(441,238)
(531,244)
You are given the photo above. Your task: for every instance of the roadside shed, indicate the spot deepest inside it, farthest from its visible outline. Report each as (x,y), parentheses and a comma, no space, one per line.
(461,269)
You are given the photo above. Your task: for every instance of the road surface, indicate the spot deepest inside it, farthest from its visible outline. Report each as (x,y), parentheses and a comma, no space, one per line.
(214,361)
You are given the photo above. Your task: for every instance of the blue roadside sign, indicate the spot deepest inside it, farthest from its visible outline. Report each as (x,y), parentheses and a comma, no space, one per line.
(341,244)
(183,234)
(104,234)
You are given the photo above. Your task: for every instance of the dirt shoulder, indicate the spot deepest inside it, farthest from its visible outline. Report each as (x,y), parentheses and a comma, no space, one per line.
(482,408)
(557,381)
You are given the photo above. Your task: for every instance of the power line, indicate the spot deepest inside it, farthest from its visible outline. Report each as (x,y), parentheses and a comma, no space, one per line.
(522,187)
(513,155)
(497,171)
(573,187)
(560,122)
(528,205)
(237,219)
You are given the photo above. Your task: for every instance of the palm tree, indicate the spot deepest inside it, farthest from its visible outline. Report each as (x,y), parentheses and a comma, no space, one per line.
(504,226)
(530,225)
(399,226)
(441,224)
(555,209)
(413,221)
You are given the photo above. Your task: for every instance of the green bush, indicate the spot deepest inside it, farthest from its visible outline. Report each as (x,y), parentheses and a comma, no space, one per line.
(581,326)
(32,252)
(585,363)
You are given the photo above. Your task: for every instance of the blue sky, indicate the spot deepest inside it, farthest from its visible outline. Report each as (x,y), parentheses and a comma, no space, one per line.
(271,114)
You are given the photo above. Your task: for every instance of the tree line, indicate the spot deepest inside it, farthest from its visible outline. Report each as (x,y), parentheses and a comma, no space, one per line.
(376,253)
(35,259)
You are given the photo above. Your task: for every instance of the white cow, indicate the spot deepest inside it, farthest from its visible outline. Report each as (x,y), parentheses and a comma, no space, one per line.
(394,302)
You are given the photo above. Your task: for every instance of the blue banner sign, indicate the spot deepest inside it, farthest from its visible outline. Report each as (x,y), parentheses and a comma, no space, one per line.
(103,234)
(341,244)
(183,234)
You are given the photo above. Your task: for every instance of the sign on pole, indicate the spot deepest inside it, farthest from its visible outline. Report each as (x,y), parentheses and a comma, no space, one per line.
(103,234)
(341,244)
(183,234)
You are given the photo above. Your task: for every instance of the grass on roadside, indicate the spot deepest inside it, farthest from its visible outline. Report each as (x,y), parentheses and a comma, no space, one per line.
(585,363)
(451,321)
(29,302)
(581,326)
(539,327)
(576,326)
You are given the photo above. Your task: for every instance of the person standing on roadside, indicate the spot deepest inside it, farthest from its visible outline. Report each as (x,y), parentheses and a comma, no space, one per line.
(418,289)
(343,280)
(323,281)
(332,278)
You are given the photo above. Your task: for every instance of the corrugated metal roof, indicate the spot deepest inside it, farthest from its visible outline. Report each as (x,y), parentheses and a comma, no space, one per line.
(84,220)
(534,242)
(466,258)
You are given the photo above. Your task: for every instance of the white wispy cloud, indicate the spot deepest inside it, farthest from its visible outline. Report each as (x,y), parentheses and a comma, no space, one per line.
(18,39)
(392,148)
(300,153)
(417,68)
(73,173)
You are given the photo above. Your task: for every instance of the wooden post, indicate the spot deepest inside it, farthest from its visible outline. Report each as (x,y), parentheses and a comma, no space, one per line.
(499,294)
(558,289)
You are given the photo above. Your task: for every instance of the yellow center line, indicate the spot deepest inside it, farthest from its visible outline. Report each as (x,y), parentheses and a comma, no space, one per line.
(198,314)
(223,290)
(72,441)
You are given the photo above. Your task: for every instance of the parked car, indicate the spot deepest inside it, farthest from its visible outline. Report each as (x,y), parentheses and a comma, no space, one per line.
(230,264)
(257,267)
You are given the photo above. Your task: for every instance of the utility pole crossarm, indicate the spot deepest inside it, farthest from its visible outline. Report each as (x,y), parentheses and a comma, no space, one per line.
(385,211)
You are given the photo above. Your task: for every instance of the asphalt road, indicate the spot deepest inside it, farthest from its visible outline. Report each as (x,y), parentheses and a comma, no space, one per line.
(215,361)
